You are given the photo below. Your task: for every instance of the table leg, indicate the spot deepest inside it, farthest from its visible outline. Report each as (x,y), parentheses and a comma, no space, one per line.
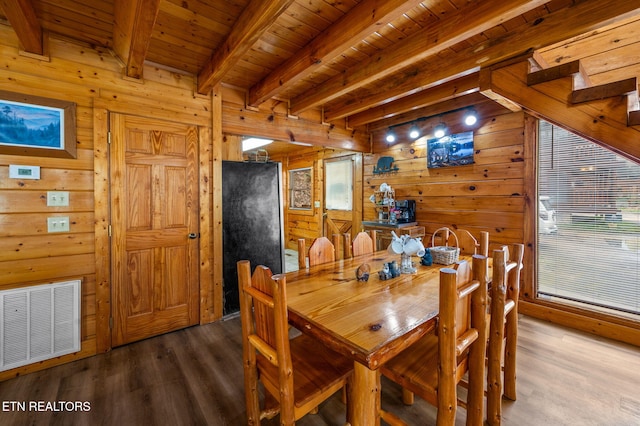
(364,398)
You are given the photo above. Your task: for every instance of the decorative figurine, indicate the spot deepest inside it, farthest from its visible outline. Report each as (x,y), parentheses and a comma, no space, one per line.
(362,273)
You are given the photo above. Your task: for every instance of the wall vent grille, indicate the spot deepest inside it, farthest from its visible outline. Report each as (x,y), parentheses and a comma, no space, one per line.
(39,323)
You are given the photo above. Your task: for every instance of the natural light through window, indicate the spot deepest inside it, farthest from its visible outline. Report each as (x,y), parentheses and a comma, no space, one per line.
(588,223)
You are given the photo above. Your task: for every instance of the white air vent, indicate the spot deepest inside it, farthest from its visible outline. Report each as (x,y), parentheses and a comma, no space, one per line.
(39,323)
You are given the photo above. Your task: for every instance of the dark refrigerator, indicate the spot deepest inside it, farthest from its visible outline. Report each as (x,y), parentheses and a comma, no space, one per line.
(252,222)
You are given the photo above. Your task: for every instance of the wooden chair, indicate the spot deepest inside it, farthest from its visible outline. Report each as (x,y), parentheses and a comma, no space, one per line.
(363,243)
(503,329)
(321,251)
(433,366)
(470,245)
(297,374)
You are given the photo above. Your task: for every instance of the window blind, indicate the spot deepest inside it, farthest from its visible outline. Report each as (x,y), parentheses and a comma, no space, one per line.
(594,196)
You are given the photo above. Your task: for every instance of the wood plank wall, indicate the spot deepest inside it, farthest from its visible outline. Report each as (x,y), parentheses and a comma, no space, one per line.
(300,223)
(488,195)
(485,196)
(88,77)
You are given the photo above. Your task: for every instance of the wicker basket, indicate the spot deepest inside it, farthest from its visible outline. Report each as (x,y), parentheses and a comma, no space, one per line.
(444,255)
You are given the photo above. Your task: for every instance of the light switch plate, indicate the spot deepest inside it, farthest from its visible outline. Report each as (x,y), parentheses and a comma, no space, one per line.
(57,198)
(58,224)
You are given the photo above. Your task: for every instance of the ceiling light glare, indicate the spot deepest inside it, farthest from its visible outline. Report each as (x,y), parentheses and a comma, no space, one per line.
(391,136)
(414,132)
(440,130)
(471,118)
(253,143)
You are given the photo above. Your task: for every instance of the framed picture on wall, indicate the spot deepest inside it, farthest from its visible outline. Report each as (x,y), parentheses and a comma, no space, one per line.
(37,126)
(300,188)
(450,150)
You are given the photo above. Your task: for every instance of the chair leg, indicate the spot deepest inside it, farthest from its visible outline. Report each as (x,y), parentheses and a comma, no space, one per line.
(511,334)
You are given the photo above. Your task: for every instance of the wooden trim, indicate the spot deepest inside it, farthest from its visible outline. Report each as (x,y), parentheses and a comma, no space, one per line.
(101,229)
(599,324)
(215,304)
(529,273)
(204,171)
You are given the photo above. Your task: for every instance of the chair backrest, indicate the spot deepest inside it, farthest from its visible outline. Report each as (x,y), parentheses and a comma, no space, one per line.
(463,294)
(346,243)
(265,331)
(516,256)
(470,245)
(321,251)
(363,244)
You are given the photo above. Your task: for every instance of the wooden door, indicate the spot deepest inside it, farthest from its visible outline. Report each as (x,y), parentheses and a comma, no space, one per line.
(154,218)
(339,195)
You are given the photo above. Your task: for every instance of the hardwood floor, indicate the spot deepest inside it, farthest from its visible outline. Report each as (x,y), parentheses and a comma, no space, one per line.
(194,377)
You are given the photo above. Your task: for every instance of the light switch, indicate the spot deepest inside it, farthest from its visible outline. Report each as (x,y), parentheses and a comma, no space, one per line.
(58,224)
(57,198)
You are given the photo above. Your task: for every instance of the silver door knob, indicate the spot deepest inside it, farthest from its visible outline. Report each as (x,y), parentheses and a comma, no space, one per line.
(193,236)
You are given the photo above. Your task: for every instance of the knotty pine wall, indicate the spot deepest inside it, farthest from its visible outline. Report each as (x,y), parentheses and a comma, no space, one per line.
(301,223)
(488,195)
(91,79)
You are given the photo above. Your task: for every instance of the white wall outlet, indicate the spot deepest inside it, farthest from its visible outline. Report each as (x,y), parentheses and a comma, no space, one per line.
(58,224)
(57,198)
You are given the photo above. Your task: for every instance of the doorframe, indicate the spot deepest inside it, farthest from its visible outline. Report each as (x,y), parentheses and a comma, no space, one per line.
(102,222)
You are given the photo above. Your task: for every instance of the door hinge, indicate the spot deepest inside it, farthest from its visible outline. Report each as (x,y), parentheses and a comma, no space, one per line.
(109,138)
(110,322)
(109,231)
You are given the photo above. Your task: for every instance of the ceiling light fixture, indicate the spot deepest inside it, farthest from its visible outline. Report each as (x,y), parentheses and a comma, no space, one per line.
(414,132)
(440,130)
(471,117)
(391,136)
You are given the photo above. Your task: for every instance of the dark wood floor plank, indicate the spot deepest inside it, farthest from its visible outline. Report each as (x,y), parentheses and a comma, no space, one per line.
(194,377)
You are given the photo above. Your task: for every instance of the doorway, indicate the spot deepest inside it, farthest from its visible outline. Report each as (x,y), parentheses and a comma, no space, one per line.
(154,218)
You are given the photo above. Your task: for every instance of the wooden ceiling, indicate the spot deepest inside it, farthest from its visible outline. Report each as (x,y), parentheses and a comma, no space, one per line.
(369,62)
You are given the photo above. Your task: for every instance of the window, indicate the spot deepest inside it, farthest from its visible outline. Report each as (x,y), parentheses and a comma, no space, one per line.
(338,184)
(300,188)
(588,223)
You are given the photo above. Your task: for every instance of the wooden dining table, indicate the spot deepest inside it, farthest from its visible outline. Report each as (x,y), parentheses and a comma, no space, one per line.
(367,321)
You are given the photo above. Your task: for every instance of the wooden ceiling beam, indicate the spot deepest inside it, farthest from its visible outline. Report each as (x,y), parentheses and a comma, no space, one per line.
(471,20)
(133,26)
(580,18)
(601,121)
(442,92)
(267,124)
(255,20)
(24,21)
(363,20)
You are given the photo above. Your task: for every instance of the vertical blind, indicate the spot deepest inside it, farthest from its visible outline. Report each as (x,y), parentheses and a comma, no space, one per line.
(594,256)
